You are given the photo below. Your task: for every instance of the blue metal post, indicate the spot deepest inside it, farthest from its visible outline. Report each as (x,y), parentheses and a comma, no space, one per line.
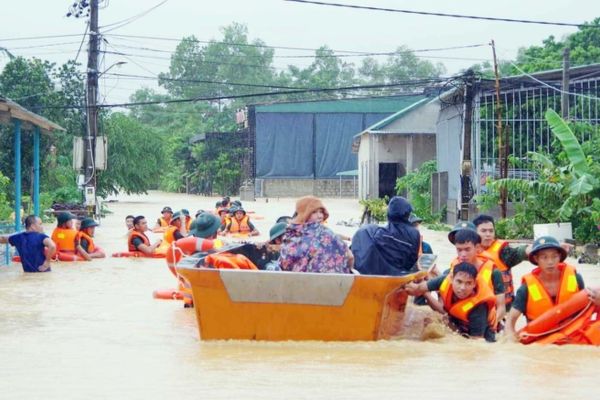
(17,175)
(36,171)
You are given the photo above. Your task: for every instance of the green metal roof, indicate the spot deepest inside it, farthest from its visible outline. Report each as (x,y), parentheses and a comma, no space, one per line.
(360,105)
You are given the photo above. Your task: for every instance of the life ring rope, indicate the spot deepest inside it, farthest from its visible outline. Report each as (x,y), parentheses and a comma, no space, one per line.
(559,327)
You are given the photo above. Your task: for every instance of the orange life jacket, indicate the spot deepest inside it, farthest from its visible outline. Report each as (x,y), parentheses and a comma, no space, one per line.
(484,294)
(240,226)
(169,235)
(163,222)
(538,299)
(64,239)
(133,234)
(229,261)
(88,238)
(493,254)
(486,269)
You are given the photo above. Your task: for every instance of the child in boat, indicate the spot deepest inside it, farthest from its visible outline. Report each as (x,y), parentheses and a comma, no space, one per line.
(85,240)
(551,283)
(309,246)
(467,298)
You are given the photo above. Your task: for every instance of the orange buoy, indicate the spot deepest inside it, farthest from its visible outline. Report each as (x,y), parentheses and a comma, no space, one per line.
(229,261)
(137,254)
(167,294)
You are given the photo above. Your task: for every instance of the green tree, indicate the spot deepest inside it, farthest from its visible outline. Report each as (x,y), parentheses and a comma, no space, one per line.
(135,156)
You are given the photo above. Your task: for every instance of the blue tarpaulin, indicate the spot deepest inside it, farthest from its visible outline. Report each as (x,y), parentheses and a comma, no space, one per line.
(308,144)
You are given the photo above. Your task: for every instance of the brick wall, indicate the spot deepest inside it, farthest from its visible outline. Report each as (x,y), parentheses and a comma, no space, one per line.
(303,187)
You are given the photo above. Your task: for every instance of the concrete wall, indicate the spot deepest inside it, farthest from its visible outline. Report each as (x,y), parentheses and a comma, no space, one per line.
(419,120)
(449,141)
(409,150)
(303,187)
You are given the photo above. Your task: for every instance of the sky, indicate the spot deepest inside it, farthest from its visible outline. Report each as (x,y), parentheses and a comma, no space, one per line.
(286,24)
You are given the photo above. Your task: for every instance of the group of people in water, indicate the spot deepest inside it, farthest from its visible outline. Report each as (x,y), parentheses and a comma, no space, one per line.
(477,292)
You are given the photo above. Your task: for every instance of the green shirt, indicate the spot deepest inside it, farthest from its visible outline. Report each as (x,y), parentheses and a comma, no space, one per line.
(512,256)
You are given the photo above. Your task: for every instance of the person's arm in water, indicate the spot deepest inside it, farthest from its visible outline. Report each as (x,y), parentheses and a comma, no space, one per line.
(511,322)
(50,251)
(146,249)
(253,230)
(82,251)
(498,284)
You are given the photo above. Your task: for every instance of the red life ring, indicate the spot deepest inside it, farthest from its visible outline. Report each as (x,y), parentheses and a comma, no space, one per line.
(552,318)
(167,294)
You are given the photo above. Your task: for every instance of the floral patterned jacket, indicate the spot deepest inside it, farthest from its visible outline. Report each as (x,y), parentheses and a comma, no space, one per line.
(312,247)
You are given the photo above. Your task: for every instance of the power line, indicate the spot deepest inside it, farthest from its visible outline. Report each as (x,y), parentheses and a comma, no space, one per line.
(39,37)
(261,94)
(229,43)
(127,21)
(437,14)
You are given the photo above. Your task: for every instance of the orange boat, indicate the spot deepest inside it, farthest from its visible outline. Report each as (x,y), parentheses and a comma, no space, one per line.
(273,305)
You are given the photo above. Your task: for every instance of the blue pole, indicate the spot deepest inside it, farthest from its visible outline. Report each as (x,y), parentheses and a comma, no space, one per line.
(17,175)
(36,171)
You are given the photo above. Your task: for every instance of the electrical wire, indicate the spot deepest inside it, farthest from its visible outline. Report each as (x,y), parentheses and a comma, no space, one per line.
(127,21)
(437,14)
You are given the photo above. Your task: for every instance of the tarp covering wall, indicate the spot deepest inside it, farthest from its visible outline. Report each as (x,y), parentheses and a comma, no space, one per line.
(303,145)
(284,145)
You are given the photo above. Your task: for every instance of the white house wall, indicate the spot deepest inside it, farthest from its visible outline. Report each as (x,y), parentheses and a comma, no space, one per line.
(420,120)
(449,148)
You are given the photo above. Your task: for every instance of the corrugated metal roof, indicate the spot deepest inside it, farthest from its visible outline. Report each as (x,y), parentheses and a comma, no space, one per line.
(360,105)
(14,110)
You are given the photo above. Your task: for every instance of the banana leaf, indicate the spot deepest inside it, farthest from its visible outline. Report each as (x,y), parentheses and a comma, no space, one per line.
(569,142)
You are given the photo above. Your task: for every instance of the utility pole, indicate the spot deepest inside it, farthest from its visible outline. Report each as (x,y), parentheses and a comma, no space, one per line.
(564,96)
(92,111)
(502,146)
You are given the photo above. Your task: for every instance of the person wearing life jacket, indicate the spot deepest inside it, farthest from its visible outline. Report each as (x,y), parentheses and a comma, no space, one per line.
(225,216)
(187,220)
(466,297)
(240,223)
(64,234)
(162,223)
(467,242)
(176,229)
(85,240)
(553,282)
(137,239)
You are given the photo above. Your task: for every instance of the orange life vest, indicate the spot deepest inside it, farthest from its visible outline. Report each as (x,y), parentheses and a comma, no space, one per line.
(484,294)
(169,235)
(538,299)
(133,234)
(64,239)
(163,222)
(486,268)
(229,261)
(493,254)
(240,226)
(88,238)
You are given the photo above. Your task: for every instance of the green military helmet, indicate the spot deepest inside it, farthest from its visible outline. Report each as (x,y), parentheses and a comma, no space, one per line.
(546,242)
(459,226)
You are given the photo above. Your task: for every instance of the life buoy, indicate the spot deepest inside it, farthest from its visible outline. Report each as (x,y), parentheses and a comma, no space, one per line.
(188,246)
(68,256)
(137,254)
(229,261)
(552,318)
(167,294)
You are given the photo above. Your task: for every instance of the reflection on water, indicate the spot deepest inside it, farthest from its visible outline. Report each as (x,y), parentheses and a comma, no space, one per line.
(92,330)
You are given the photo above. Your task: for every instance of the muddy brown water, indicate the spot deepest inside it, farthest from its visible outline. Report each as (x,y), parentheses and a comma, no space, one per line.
(93,331)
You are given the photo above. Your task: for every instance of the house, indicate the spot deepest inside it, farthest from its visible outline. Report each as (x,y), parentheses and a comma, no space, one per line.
(301,148)
(395,145)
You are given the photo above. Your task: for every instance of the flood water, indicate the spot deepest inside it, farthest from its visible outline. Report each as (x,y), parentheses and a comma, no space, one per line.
(93,331)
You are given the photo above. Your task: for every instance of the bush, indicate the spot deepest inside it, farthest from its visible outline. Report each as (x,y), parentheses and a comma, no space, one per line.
(417,184)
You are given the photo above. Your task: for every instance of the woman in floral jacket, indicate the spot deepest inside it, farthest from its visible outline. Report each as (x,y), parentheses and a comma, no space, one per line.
(309,246)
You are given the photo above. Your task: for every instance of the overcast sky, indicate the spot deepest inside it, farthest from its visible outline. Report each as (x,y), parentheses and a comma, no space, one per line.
(281,23)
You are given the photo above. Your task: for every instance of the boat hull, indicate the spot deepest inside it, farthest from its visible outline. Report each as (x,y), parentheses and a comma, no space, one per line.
(275,306)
